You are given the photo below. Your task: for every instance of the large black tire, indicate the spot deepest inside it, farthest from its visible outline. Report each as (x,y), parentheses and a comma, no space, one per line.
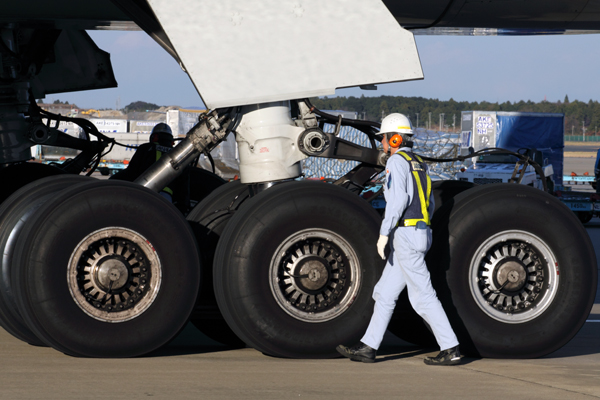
(406,323)
(106,269)
(295,268)
(509,241)
(14,211)
(208,220)
(202,183)
(189,189)
(16,176)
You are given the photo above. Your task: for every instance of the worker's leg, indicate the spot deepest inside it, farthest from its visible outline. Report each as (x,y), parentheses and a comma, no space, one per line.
(385,294)
(411,245)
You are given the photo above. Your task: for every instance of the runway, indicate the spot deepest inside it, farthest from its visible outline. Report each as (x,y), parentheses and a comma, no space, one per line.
(195,367)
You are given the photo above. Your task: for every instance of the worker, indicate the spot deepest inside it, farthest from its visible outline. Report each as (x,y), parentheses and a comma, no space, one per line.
(160,142)
(406,222)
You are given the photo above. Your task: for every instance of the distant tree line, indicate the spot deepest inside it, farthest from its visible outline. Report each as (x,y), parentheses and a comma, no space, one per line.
(140,106)
(579,116)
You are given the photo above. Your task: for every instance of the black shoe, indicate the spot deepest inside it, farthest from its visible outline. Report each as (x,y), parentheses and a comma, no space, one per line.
(445,357)
(358,352)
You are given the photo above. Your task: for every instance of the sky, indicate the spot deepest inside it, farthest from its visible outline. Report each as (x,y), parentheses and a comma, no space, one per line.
(465,68)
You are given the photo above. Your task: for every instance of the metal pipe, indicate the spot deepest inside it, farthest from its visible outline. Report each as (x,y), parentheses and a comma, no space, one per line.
(204,136)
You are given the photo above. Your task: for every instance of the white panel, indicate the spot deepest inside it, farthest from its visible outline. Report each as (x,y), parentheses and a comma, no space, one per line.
(110,125)
(248,51)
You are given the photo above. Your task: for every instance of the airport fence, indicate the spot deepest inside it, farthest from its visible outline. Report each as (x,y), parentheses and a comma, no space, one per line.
(429,143)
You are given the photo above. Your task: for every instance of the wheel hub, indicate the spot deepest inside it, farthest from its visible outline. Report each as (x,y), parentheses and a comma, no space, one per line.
(111,274)
(114,274)
(312,275)
(513,276)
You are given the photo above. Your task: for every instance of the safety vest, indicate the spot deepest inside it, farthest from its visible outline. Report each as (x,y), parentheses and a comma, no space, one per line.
(158,156)
(418,208)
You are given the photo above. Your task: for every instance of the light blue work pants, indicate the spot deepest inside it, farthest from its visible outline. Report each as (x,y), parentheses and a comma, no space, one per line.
(406,268)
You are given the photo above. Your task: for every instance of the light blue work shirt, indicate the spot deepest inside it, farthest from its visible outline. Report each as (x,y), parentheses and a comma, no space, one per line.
(398,191)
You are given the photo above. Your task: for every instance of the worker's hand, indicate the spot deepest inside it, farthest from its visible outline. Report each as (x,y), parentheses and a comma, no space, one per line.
(381,245)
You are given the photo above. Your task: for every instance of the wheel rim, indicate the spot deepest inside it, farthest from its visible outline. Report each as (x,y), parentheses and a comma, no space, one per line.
(114,274)
(514,277)
(314,275)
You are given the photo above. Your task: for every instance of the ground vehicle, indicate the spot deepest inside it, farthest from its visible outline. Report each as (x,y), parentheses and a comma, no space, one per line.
(584,204)
(539,135)
(292,274)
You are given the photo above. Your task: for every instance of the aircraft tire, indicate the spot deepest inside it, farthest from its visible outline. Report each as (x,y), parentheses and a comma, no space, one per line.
(14,211)
(106,269)
(406,323)
(202,184)
(509,241)
(294,270)
(208,220)
(16,176)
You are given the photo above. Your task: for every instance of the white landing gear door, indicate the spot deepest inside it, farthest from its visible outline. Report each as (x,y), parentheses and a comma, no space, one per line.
(241,52)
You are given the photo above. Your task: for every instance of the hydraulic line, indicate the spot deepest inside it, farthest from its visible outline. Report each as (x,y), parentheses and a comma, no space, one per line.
(525,160)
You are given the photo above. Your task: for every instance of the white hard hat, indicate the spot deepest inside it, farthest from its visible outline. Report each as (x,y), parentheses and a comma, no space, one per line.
(396,123)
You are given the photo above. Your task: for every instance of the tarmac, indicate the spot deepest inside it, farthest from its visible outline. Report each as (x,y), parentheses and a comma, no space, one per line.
(193,366)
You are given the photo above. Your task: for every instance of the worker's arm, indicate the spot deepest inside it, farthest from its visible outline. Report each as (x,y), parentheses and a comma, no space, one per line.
(396,173)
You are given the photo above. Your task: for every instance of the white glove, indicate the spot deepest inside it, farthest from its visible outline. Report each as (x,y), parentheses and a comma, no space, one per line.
(381,245)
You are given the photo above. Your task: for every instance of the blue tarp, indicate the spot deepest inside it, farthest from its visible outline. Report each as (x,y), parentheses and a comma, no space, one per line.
(545,132)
